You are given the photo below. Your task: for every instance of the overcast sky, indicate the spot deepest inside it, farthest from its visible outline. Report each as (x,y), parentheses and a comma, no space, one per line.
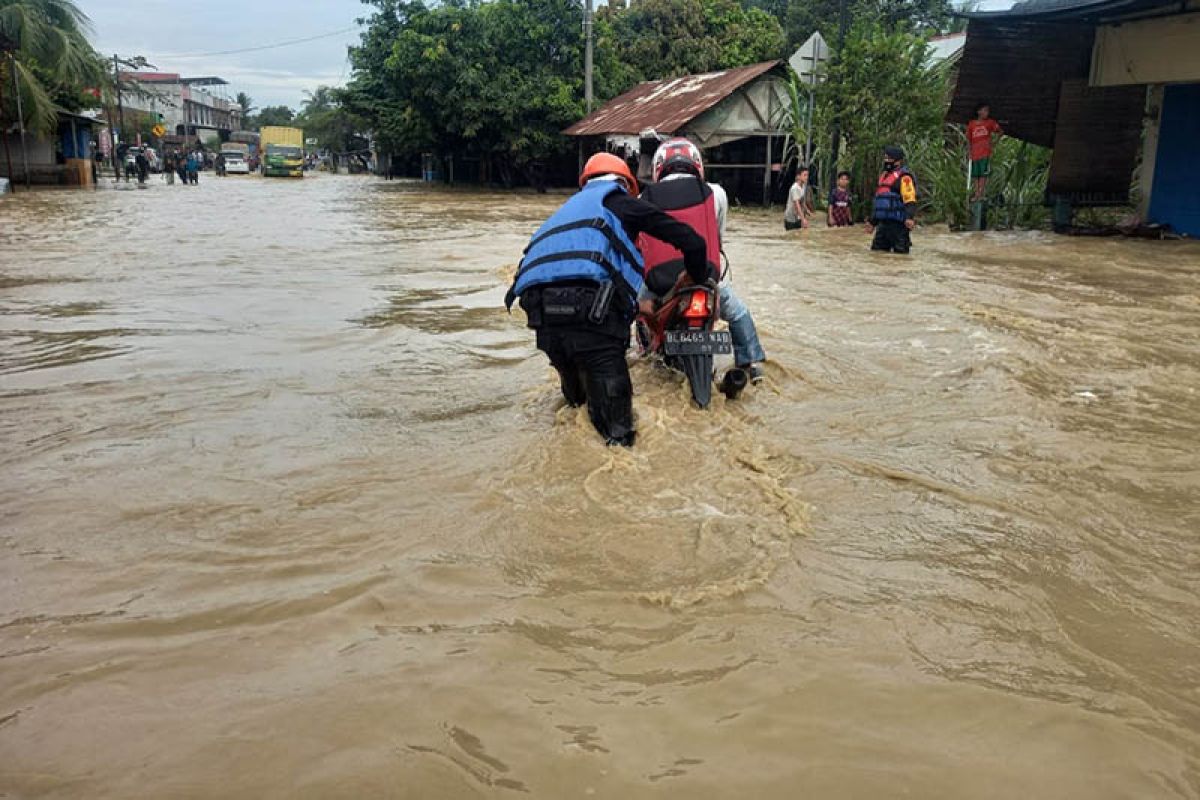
(164,31)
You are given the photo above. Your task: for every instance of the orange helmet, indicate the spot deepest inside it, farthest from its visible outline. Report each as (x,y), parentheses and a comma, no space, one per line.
(608,164)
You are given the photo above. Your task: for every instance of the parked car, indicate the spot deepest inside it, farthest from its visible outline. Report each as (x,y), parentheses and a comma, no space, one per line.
(235,164)
(235,161)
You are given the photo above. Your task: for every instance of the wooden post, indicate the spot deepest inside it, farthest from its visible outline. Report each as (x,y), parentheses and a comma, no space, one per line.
(767,175)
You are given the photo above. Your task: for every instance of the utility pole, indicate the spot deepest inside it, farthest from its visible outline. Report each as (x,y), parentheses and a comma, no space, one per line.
(20,121)
(835,146)
(4,133)
(120,117)
(587,54)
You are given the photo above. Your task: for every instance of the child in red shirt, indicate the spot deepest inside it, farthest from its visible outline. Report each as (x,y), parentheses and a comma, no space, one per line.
(979,136)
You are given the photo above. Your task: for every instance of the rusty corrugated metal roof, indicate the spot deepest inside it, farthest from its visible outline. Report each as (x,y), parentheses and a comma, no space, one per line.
(666,105)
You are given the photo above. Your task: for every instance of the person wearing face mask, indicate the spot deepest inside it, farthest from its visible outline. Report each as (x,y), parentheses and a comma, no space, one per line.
(895,205)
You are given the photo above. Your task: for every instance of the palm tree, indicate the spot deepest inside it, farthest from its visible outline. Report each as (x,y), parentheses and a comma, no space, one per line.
(247,103)
(44,50)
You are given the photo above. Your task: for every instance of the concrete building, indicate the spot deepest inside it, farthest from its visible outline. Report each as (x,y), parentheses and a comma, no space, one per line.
(1112,85)
(189,106)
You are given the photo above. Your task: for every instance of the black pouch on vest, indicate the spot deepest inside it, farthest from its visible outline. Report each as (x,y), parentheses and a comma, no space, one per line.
(531,304)
(566,305)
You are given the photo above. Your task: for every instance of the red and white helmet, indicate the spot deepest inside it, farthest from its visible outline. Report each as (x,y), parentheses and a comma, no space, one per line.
(677,155)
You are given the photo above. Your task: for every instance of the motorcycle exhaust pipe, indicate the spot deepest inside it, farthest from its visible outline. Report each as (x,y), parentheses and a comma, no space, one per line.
(734,382)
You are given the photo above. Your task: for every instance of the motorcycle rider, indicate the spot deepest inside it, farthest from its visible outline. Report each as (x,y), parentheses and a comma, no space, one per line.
(680,190)
(578,284)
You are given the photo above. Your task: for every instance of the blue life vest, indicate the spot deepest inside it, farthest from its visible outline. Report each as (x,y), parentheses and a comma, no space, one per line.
(583,240)
(889,203)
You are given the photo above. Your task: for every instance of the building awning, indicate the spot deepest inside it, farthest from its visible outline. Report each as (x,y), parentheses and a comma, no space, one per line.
(667,105)
(1091,11)
(79,119)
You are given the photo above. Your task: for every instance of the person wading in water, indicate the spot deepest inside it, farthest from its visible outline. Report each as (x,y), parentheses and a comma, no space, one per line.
(578,283)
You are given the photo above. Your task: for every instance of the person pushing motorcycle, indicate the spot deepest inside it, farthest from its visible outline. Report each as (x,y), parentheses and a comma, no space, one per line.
(680,190)
(578,283)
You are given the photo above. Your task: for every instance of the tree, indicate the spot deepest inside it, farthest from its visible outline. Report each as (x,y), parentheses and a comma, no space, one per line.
(801,18)
(275,115)
(247,105)
(326,118)
(896,97)
(497,80)
(668,38)
(44,48)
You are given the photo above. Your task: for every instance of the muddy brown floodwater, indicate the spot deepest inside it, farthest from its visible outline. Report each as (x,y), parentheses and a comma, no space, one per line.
(290,507)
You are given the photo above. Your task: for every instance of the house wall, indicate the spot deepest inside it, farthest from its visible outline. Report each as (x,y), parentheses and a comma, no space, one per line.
(1174,199)
(1018,67)
(751,110)
(1163,50)
(1096,141)
(43,164)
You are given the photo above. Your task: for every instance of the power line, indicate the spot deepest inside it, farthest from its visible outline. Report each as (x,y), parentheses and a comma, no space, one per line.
(287,43)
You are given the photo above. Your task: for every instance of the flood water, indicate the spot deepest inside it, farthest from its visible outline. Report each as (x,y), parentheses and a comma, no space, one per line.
(290,507)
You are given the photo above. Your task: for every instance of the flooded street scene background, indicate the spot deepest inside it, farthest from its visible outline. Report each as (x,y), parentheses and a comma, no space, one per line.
(292,507)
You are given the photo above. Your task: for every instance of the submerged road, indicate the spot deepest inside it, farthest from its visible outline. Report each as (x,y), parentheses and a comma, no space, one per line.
(290,507)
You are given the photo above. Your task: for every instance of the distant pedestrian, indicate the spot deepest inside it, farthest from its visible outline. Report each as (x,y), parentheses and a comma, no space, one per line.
(981,133)
(181,167)
(895,205)
(143,166)
(193,168)
(841,213)
(169,168)
(799,203)
(220,165)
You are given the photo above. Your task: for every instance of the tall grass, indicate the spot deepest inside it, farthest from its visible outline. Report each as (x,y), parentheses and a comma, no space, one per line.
(1015,190)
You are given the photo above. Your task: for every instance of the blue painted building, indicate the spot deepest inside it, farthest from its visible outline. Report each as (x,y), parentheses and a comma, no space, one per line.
(60,158)
(1112,85)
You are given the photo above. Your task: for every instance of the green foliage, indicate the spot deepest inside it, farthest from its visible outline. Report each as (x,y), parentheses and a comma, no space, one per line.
(499,80)
(882,93)
(325,117)
(45,50)
(274,115)
(1015,189)
(246,102)
(940,164)
(801,18)
(496,80)
(668,38)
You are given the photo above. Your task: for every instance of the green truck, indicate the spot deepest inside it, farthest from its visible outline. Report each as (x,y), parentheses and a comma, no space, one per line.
(281,151)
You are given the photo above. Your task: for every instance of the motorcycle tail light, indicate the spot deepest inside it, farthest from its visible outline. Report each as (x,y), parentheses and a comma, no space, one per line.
(697,306)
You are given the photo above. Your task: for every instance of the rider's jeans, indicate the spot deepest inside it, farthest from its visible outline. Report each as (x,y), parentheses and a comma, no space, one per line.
(746,347)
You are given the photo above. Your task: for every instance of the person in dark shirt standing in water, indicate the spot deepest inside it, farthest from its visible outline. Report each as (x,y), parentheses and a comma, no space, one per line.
(578,284)
(841,215)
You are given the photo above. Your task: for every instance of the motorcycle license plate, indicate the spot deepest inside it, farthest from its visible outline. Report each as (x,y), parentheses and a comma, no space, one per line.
(697,343)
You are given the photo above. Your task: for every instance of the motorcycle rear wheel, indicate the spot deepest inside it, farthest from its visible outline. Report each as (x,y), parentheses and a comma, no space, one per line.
(699,372)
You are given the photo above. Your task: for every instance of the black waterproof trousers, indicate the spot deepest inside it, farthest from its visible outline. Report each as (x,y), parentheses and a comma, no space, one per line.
(891,236)
(588,355)
(592,369)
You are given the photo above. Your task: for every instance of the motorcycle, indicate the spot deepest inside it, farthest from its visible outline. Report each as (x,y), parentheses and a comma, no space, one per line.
(680,331)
